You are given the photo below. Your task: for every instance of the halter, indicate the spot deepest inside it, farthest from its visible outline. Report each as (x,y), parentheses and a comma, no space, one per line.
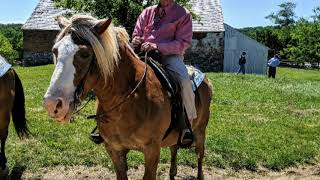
(80,88)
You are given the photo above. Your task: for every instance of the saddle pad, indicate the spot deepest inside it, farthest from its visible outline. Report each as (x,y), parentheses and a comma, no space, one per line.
(196,76)
(4,66)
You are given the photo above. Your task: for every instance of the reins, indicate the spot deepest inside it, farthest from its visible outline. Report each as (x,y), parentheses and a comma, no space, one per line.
(98,116)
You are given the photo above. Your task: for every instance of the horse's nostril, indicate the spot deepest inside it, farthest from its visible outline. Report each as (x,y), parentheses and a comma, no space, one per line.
(59,104)
(55,111)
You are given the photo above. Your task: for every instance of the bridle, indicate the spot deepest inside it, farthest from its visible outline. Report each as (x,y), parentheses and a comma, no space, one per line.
(80,88)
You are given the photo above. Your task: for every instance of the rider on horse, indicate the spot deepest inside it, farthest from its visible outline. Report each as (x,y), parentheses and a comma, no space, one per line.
(167,28)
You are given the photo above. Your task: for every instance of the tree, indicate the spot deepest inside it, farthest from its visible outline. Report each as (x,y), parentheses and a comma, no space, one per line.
(306,48)
(298,41)
(285,16)
(14,34)
(6,49)
(316,16)
(123,12)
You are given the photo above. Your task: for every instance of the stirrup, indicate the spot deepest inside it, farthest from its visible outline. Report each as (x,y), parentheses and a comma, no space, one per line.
(185,138)
(95,137)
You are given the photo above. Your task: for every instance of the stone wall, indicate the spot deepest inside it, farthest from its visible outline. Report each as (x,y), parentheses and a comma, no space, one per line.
(37,47)
(37,58)
(207,51)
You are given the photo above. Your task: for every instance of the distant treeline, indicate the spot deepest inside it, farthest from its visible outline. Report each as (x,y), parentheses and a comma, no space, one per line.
(11,41)
(295,39)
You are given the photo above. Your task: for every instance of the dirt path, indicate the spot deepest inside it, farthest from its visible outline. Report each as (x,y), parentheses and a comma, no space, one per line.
(184,172)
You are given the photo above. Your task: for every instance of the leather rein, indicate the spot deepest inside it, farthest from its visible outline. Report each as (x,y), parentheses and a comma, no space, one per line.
(80,88)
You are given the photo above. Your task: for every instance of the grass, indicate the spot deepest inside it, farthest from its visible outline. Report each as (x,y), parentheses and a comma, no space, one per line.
(254,122)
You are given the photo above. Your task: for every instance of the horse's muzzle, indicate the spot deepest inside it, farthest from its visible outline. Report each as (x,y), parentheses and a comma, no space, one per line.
(57,108)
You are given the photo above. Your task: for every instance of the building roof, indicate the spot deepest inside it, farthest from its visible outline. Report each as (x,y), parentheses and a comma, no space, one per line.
(43,16)
(210,14)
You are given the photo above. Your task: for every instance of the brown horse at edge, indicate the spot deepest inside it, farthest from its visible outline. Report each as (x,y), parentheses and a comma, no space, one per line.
(12,103)
(140,122)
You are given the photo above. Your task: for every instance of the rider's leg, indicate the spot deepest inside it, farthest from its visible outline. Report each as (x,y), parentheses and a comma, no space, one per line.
(176,68)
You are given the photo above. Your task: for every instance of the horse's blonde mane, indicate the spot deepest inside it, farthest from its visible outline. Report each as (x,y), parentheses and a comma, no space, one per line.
(106,47)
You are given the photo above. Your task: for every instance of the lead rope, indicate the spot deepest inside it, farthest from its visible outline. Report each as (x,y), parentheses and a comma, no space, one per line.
(98,116)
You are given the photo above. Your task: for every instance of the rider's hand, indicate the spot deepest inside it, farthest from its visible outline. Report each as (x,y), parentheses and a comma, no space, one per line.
(136,41)
(148,46)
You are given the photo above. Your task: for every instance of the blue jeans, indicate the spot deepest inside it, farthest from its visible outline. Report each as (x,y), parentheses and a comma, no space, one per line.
(242,69)
(174,65)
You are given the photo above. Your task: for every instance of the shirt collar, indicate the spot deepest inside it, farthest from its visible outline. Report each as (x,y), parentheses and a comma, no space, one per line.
(168,7)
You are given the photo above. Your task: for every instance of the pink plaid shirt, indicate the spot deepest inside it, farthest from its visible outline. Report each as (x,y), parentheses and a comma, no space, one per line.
(172,33)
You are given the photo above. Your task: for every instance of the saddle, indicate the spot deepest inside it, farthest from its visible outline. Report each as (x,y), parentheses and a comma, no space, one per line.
(178,113)
(4,66)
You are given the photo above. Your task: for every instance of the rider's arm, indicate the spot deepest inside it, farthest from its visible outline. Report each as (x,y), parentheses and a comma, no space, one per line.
(183,38)
(138,29)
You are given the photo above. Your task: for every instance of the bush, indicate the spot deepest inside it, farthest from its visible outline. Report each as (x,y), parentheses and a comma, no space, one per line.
(6,49)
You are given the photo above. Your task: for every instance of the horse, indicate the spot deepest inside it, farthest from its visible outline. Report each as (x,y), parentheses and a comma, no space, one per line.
(12,103)
(133,108)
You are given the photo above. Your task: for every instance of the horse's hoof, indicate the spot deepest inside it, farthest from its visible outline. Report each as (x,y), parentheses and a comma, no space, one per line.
(172,177)
(200,176)
(4,172)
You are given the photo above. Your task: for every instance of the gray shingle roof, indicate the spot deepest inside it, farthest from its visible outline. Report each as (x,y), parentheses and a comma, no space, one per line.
(210,13)
(43,16)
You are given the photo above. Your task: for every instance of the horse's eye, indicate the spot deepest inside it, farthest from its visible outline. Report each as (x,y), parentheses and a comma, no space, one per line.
(84,55)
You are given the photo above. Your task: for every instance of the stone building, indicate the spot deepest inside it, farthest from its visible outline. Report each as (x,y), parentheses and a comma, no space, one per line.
(216,46)
(39,33)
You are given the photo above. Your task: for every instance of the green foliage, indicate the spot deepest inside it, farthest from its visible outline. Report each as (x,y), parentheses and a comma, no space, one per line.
(285,16)
(13,33)
(254,122)
(6,49)
(306,42)
(316,16)
(295,40)
(123,12)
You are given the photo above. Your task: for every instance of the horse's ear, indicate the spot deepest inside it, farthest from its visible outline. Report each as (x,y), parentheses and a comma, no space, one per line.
(102,26)
(62,21)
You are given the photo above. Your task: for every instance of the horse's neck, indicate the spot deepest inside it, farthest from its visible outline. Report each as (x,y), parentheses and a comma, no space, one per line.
(124,79)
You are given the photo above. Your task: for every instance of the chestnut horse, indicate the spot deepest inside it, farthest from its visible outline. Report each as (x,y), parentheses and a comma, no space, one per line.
(131,114)
(11,103)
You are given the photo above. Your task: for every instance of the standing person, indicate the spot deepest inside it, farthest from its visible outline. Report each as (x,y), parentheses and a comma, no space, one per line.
(242,63)
(167,27)
(273,63)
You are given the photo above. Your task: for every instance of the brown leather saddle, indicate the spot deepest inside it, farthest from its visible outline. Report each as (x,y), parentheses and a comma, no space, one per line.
(179,120)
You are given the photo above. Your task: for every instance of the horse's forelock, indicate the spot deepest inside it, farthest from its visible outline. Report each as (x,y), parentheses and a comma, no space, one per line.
(105,46)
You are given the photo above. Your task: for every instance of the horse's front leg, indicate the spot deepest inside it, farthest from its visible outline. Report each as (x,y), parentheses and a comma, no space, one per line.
(173,166)
(119,159)
(151,160)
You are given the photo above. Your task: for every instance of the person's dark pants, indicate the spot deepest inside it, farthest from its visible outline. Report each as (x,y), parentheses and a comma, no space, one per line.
(272,72)
(242,69)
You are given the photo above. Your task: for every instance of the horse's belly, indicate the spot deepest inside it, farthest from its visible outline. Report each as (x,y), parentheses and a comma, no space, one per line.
(120,143)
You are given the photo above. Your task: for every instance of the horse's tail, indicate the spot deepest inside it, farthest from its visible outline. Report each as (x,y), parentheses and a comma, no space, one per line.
(18,109)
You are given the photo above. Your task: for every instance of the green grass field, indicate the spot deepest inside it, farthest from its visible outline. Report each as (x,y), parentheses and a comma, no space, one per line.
(254,122)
